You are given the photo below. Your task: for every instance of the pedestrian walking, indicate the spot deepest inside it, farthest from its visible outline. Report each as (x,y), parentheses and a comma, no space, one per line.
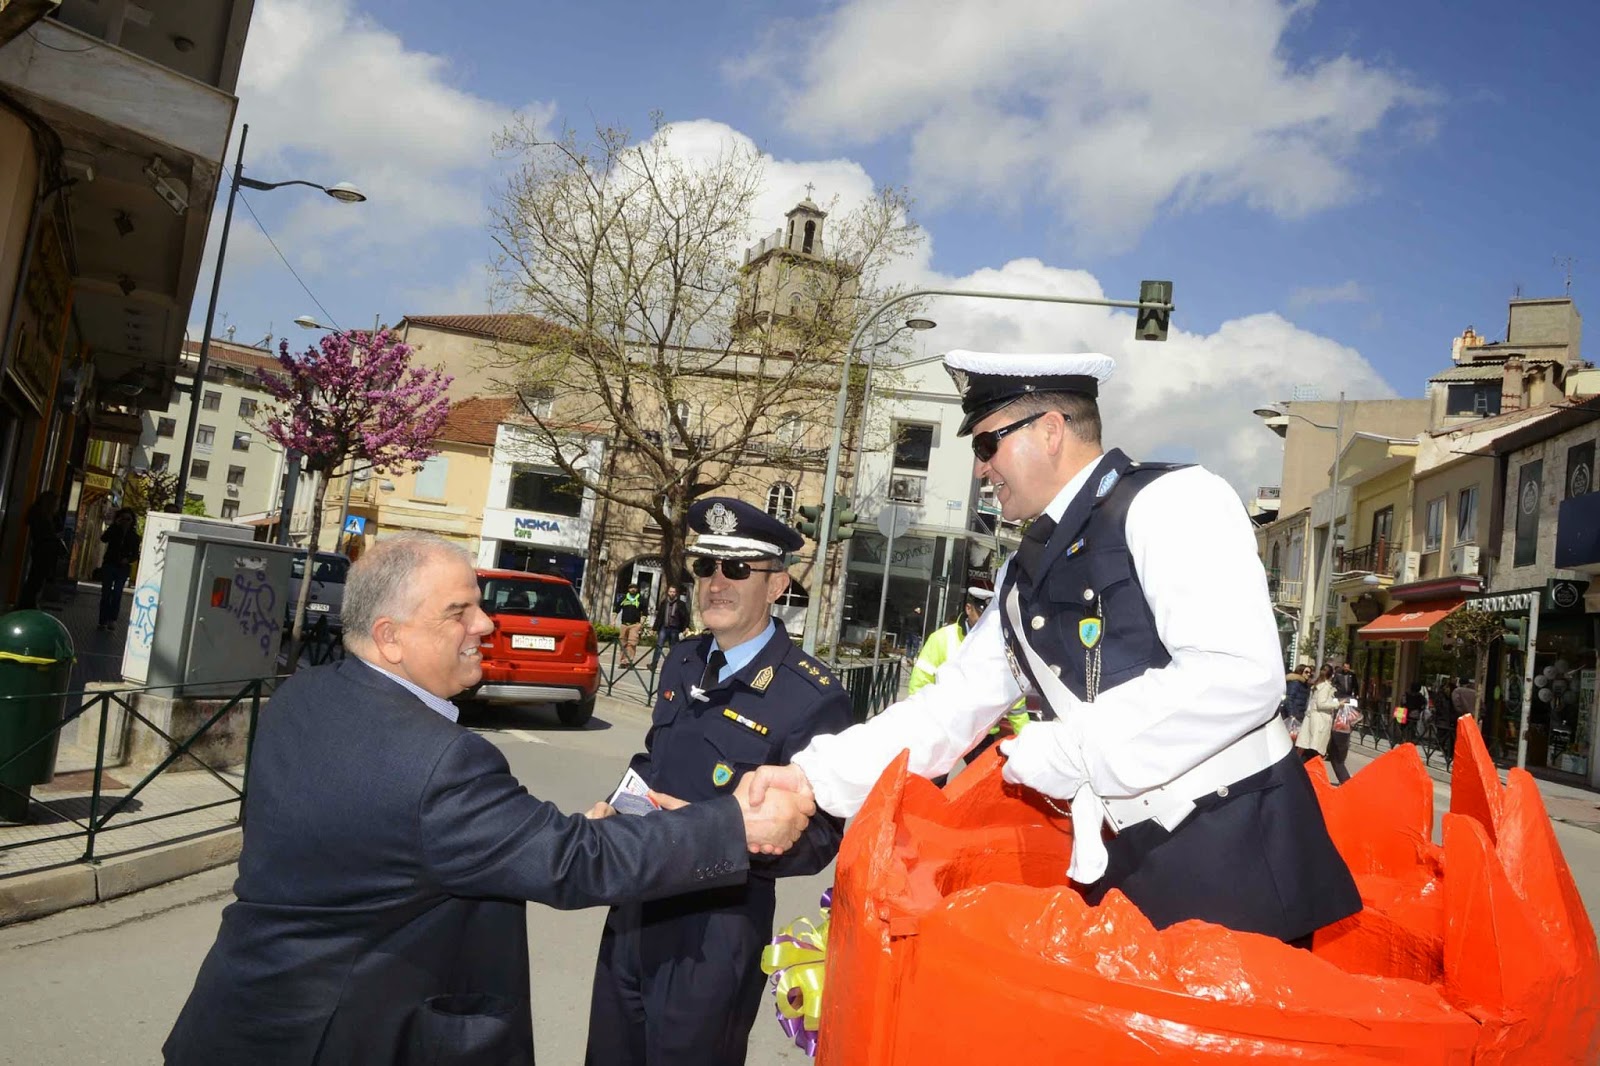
(630,619)
(672,618)
(1317,725)
(121,540)
(1164,676)
(678,981)
(1297,690)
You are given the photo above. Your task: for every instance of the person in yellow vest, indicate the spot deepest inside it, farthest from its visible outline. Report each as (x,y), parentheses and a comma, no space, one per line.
(942,643)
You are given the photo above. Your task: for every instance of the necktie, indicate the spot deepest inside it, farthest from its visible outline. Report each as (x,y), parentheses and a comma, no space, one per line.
(1033,545)
(714,665)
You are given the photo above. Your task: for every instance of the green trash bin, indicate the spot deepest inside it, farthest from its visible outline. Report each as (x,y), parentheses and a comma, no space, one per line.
(35,671)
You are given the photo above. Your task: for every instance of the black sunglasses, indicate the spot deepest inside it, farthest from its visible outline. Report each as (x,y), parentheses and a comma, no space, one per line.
(732,569)
(985,444)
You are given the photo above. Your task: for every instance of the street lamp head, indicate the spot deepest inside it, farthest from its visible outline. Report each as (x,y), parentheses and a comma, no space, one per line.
(307,322)
(1267,412)
(920,324)
(346,193)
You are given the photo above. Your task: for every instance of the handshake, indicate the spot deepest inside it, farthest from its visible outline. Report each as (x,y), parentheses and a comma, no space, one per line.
(776,802)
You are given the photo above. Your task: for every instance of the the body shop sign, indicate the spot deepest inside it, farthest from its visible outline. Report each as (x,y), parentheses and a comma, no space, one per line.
(529,527)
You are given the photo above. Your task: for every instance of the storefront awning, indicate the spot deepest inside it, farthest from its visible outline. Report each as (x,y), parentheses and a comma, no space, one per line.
(1408,621)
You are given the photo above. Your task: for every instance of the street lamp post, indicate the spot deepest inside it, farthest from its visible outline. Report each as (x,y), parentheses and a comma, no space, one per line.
(344,192)
(1326,574)
(830,480)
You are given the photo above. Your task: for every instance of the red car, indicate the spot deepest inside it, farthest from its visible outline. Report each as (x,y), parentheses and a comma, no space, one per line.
(543,648)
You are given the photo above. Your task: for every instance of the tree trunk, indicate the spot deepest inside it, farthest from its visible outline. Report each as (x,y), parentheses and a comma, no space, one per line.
(297,625)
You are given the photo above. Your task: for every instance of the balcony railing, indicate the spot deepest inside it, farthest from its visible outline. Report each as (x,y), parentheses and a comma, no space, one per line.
(1286,592)
(1379,557)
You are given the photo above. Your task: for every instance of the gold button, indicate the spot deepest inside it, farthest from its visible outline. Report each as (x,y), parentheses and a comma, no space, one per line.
(1088,594)
(1038,621)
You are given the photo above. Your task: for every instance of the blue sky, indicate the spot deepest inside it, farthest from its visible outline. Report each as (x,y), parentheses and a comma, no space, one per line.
(1335,189)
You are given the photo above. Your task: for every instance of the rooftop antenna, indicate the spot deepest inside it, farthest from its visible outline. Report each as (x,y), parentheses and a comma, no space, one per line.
(1566,263)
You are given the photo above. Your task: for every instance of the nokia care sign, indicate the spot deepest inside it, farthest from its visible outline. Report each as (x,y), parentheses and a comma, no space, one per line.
(531,527)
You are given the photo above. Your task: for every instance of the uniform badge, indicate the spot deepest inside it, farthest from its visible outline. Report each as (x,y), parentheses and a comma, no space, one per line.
(734,716)
(1077,546)
(762,680)
(1106,482)
(721,774)
(1089,631)
(721,520)
(667,695)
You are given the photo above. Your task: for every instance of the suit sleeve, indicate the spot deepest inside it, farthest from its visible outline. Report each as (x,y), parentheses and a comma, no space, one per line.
(482,834)
(819,844)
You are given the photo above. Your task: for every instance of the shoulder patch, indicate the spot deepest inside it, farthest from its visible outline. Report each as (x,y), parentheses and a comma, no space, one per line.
(762,679)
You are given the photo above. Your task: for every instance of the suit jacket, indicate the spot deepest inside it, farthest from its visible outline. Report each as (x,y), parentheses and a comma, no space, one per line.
(387,854)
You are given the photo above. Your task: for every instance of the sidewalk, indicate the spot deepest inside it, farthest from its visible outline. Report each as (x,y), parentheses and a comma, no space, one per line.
(145,843)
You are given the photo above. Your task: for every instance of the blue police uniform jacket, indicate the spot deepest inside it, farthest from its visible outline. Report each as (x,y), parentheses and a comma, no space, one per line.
(1264,844)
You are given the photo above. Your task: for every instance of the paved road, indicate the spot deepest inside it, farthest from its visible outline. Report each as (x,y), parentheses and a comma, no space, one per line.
(102,984)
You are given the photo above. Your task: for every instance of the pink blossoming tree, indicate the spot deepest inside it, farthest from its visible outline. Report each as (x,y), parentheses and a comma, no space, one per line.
(352,399)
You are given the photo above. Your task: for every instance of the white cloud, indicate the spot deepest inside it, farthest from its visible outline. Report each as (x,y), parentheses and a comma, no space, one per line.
(1113,111)
(332,96)
(1346,292)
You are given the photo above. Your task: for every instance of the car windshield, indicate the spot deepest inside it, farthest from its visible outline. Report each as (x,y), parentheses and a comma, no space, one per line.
(329,568)
(546,599)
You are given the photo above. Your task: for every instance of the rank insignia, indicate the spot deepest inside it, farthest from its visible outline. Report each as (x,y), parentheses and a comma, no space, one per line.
(721,774)
(1077,546)
(821,680)
(1106,482)
(734,716)
(1089,631)
(762,680)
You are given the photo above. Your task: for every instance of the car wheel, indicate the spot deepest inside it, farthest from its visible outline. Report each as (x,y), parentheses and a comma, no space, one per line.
(576,714)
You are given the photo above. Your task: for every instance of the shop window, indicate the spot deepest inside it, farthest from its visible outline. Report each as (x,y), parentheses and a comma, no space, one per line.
(544,490)
(431,478)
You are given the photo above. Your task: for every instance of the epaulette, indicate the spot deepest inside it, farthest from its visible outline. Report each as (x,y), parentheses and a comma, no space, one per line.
(816,673)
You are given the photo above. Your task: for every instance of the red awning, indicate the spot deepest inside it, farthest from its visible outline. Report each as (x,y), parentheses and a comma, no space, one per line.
(1408,621)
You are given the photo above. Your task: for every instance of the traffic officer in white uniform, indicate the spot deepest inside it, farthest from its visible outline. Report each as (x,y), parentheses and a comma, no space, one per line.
(1138,608)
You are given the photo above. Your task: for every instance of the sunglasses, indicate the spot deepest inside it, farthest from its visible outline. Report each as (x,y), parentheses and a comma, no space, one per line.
(732,569)
(985,444)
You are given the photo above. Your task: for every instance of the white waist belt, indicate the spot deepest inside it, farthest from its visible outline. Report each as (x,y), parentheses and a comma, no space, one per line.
(1174,801)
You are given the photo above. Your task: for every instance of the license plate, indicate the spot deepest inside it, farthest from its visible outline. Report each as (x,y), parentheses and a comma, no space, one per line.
(523,642)
(316,607)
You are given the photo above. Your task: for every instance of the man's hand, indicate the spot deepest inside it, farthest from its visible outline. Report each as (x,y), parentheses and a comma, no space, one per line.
(600,810)
(1044,759)
(759,781)
(772,827)
(666,802)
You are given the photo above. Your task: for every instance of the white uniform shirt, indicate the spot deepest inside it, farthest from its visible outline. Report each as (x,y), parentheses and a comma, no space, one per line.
(1194,550)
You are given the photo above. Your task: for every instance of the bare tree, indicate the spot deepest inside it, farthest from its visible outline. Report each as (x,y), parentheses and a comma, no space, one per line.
(662,337)
(1477,629)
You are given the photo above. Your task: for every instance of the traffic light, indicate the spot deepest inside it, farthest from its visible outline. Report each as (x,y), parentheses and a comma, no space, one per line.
(810,520)
(844,517)
(1515,635)
(1152,322)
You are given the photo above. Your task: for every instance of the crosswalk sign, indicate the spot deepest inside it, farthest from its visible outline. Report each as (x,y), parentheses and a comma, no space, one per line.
(355,525)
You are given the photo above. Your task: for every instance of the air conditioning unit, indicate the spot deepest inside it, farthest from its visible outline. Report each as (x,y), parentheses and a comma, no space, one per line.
(906,489)
(233,491)
(1410,567)
(1464,559)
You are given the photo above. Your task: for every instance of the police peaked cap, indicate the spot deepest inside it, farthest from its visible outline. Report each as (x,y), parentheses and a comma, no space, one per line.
(989,381)
(732,529)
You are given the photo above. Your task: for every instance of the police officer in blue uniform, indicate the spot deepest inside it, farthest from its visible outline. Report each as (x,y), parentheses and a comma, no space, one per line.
(679,981)
(1137,608)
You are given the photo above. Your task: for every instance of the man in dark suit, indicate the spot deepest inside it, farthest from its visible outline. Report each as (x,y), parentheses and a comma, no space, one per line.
(678,981)
(388,851)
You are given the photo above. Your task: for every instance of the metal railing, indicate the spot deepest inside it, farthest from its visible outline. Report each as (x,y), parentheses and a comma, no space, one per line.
(1379,557)
(872,685)
(250,692)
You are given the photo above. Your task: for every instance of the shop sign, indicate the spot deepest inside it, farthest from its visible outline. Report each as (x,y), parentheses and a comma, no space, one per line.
(1563,595)
(1511,603)
(525,528)
(100,482)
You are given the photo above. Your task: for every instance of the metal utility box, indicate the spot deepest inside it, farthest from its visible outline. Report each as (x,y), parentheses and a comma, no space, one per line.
(222,613)
(147,581)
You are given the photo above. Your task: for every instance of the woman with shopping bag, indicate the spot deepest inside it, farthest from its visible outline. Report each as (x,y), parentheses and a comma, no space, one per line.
(1320,709)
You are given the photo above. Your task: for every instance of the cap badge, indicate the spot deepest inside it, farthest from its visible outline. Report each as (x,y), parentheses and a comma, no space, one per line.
(720,520)
(1106,482)
(721,774)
